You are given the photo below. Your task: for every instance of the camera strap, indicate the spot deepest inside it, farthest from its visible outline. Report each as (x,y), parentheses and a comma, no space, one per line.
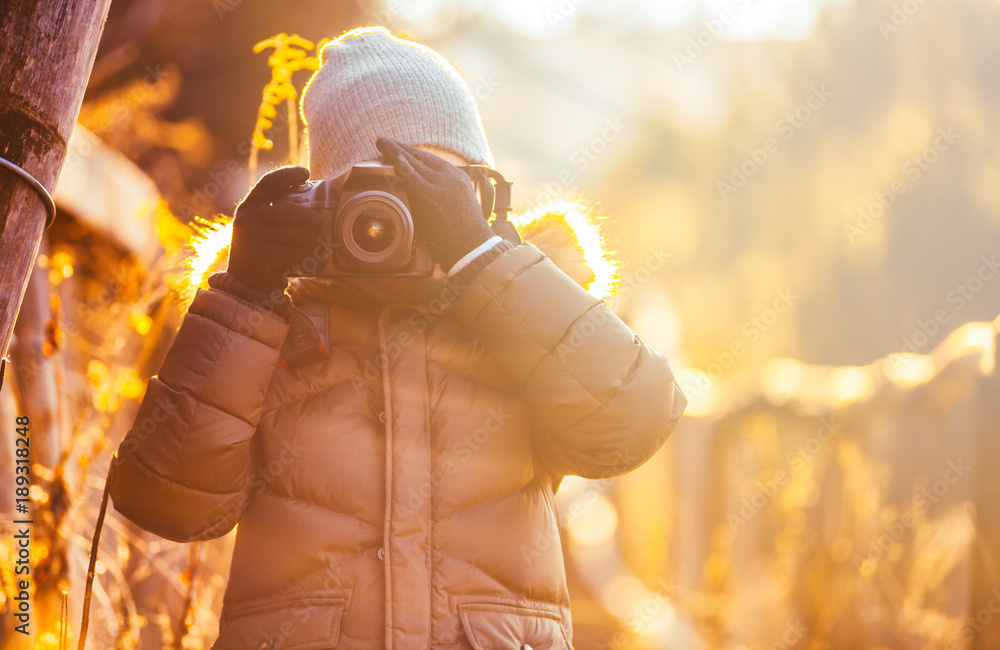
(500,202)
(486,191)
(506,230)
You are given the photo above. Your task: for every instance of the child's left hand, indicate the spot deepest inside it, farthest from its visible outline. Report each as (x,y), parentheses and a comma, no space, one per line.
(446,212)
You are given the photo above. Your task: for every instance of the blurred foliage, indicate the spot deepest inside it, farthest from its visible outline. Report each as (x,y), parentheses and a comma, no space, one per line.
(789,206)
(289,56)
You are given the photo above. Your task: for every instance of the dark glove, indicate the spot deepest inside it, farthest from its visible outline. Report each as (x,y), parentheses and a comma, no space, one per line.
(446,212)
(270,240)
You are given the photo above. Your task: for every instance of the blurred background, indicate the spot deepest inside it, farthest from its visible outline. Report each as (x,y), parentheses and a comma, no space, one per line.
(804,198)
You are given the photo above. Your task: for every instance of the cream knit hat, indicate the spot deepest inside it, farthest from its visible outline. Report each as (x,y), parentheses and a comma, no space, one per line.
(371,84)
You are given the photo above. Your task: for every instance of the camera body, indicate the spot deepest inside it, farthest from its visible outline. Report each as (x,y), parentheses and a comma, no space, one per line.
(366,217)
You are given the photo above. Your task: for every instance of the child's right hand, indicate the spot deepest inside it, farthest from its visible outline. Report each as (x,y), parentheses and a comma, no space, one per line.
(269,241)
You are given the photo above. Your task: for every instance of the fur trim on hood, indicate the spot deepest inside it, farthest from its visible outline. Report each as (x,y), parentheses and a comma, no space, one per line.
(567,232)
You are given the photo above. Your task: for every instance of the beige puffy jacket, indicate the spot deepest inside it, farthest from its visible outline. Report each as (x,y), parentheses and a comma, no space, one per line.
(397,493)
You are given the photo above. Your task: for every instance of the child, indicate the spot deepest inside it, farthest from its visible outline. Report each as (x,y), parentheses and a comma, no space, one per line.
(389,447)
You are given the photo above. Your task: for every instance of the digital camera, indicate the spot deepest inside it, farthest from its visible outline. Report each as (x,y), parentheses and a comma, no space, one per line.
(367,219)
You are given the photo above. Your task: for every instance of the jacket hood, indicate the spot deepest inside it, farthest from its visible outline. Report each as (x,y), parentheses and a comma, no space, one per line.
(567,232)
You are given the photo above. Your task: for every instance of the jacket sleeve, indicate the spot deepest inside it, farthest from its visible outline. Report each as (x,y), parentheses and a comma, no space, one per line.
(605,401)
(182,470)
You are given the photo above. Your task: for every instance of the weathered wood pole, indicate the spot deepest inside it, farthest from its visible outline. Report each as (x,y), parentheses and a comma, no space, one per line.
(982,623)
(47,50)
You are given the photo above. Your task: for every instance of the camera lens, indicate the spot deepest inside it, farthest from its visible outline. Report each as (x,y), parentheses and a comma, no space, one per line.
(374,231)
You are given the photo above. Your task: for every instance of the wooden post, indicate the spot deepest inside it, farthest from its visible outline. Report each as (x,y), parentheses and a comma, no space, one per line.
(982,623)
(47,49)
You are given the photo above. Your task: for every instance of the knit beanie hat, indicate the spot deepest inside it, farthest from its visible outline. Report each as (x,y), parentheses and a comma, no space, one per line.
(371,84)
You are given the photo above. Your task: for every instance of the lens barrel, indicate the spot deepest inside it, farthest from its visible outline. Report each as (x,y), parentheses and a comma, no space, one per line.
(376,229)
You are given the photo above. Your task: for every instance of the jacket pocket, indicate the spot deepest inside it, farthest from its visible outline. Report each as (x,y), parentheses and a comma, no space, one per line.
(504,624)
(305,621)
